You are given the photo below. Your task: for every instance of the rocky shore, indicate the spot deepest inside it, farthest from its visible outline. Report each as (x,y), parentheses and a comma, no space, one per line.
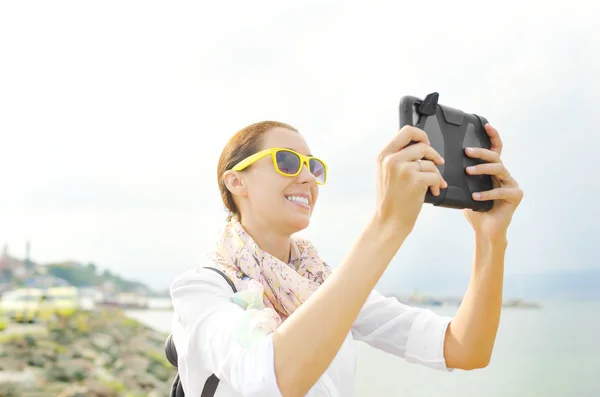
(91,354)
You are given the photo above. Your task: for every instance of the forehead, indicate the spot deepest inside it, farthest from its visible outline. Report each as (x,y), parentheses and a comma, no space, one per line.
(285,138)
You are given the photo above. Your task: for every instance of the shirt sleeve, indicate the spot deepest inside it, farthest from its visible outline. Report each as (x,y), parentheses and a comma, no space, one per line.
(204,324)
(415,334)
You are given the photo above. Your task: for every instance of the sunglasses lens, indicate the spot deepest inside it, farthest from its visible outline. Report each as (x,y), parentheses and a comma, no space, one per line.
(318,170)
(287,162)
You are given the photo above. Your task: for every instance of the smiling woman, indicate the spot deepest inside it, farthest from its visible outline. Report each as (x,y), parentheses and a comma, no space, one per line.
(266,316)
(250,150)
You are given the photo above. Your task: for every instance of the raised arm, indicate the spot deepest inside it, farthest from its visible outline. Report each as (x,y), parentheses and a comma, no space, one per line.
(301,354)
(472,334)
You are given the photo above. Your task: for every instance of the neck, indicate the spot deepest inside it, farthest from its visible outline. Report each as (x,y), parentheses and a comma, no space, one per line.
(275,243)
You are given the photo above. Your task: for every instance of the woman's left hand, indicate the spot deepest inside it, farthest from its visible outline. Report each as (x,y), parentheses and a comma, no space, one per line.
(493,224)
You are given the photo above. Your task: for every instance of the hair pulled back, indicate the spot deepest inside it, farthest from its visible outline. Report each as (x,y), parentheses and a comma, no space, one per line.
(242,144)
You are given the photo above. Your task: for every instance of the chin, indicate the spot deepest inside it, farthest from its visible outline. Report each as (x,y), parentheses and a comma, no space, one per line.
(297,222)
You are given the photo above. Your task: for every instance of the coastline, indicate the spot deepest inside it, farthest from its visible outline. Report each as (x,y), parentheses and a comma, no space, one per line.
(104,352)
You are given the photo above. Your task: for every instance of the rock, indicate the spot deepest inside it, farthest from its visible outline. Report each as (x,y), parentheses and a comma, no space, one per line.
(103,359)
(78,369)
(12,364)
(161,372)
(56,374)
(74,370)
(140,344)
(82,349)
(135,379)
(29,340)
(96,354)
(22,379)
(89,354)
(156,393)
(140,363)
(99,389)
(75,391)
(102,341)
(50,389)
(36,361)
(9,390)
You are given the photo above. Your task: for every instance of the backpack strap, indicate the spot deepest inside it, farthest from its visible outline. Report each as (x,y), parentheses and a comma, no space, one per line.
(210,387)
(224,276)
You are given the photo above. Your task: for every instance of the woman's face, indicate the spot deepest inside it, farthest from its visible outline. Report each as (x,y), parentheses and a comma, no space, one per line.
(284,203)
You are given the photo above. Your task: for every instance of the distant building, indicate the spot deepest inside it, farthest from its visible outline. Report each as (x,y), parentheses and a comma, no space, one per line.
(11,267)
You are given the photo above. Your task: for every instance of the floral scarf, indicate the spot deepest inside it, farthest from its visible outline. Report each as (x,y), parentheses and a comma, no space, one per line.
(269,289)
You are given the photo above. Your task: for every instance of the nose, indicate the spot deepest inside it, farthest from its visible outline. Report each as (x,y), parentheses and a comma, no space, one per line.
(305,176)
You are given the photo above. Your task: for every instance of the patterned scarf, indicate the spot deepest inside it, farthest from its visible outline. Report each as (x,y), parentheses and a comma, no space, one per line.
(283,287)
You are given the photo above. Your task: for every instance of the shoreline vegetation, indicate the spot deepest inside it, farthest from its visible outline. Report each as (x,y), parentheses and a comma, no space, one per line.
(99,353)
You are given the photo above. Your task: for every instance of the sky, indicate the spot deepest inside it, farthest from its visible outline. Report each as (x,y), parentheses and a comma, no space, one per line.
(113,115)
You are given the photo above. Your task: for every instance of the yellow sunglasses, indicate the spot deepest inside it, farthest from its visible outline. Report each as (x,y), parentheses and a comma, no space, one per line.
(288,162)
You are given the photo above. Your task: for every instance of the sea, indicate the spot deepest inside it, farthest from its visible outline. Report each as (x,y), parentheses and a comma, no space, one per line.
(552,351)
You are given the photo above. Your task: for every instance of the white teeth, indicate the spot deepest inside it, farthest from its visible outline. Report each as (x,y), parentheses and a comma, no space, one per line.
(301,200)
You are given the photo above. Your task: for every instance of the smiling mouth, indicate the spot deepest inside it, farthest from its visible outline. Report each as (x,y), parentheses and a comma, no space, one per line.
(301,201)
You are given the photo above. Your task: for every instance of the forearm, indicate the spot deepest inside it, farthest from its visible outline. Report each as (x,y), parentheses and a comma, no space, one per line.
(306,343)
(471,335)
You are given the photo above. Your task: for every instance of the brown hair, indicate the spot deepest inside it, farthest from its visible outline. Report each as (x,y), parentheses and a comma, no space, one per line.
(242,144)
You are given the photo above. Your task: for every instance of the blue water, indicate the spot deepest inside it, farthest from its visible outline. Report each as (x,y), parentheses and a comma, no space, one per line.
(552,352)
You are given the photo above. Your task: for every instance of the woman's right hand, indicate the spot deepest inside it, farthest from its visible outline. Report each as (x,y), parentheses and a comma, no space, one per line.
(404,173)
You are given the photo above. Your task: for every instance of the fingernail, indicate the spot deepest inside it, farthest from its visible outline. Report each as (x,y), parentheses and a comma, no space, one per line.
(471,168)
(470,150)
(476,196)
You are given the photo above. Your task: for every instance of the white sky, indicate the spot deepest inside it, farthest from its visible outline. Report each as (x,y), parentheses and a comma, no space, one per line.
(113,115)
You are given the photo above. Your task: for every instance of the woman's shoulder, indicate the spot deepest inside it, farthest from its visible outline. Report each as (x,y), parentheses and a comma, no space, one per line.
(201,279)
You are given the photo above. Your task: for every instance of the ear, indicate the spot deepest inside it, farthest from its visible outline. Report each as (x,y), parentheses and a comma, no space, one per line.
(235,183)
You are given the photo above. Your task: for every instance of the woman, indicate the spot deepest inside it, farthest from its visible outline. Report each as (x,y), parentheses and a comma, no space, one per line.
(269,339)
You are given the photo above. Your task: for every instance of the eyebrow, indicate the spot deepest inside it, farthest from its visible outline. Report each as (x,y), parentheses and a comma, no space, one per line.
(309,155)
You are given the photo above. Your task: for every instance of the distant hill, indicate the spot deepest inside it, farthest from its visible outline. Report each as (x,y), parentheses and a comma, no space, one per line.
(88,275)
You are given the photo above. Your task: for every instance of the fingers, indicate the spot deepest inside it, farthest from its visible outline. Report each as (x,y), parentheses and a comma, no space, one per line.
(483,154)
(403,138)
(415,162)
(512,195)
(494,138)
(496,169)
(433,181)
(425,166)
(430,175)
(426,173)
(421,151)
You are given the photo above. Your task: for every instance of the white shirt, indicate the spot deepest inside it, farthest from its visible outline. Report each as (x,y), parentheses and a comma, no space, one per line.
(204,319)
